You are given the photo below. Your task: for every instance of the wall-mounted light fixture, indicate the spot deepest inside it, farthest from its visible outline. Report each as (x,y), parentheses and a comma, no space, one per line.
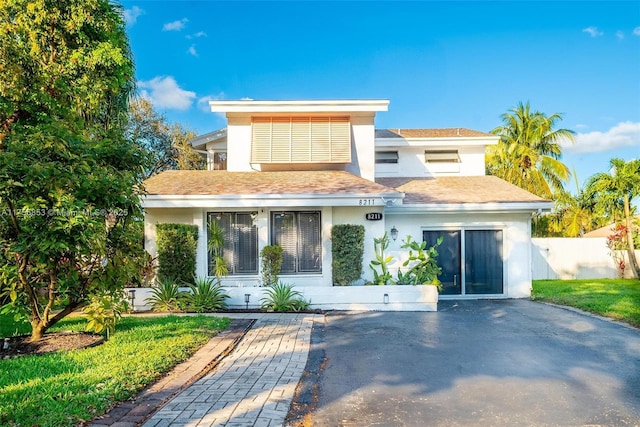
(385,298)
(394,233)
(246,300)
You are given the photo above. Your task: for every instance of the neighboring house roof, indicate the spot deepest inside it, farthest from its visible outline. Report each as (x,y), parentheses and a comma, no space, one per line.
(216,183)
(430,133)
(456,190)
(607,230)
(200,141)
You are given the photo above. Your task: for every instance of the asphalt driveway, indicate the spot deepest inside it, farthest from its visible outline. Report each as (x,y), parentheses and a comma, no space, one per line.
(473,363)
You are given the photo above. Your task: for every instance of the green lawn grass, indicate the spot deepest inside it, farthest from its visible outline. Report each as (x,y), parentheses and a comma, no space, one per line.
(65,388)
(615,298)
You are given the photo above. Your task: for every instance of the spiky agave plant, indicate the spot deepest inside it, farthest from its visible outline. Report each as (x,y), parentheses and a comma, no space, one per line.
(281,297)
(206,295)
(166,296)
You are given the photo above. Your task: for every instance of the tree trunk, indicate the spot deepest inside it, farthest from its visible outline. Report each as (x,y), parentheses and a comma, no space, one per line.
(38,329)
(632,252)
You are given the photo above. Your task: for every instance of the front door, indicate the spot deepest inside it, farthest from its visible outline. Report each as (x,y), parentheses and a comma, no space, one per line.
(481,257)
(448,259)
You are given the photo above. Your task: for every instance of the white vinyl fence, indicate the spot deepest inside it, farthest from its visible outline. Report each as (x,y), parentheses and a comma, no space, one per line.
(575,258)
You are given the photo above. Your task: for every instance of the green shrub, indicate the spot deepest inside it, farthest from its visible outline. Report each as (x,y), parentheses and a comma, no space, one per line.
(177,252)
(282,297)
(103,312)
(271,258)
(166,296)
(206,296)
(347,248)
(422,263)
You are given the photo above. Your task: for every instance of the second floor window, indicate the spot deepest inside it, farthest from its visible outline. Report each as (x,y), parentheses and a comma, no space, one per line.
(383,157)
(441,156)
(300,139)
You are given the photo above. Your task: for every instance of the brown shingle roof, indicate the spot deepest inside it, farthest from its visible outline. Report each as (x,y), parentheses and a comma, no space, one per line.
(429,133)
(184,183)
(459,189)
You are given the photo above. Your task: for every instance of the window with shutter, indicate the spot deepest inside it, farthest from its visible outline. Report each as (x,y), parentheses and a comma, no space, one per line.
(240,241)
(299,235)
(300,140)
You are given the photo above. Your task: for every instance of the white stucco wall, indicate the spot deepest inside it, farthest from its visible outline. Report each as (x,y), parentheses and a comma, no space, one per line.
(362,145)
(239,143)
(411,163)
(516,241)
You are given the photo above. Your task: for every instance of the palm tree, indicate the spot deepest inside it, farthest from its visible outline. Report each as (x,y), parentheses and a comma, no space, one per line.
(528,152)
(614,192)
(573,214)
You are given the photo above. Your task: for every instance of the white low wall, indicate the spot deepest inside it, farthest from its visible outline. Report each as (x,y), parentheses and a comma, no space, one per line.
(574,258)
(368,298)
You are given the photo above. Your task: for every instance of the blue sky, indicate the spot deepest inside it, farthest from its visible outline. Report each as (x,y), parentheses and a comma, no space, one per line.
(441,64)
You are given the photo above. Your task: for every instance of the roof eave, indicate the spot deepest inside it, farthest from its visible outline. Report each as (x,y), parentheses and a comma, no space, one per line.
(450,140)
(492,207)
(317,106)
(281,200)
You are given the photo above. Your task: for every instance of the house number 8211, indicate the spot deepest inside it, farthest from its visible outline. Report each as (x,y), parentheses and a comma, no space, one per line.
(366,202)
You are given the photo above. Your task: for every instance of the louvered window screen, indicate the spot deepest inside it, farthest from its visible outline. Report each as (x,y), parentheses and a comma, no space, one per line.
(240,241)
(300,140)
(441,156)
(299,235)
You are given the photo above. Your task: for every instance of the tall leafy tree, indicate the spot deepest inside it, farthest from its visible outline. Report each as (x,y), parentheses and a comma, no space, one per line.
(528,153)
(69,179)
(167,144)
(613,193)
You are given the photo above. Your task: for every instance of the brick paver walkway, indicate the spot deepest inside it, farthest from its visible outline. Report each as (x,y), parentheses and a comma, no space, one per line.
(254,385)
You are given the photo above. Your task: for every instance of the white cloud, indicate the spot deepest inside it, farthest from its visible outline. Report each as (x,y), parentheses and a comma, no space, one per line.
(196,35)
(625,134)
(131,15)
(164,92)
(175,25)
(581,126)
(619,34)
(192,50)
(593,31)
(636,31)
(203,102)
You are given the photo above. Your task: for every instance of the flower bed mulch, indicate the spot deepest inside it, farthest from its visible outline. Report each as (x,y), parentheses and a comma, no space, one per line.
(58,341)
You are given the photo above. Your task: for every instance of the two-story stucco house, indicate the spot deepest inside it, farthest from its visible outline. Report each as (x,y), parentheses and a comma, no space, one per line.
(285,172)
